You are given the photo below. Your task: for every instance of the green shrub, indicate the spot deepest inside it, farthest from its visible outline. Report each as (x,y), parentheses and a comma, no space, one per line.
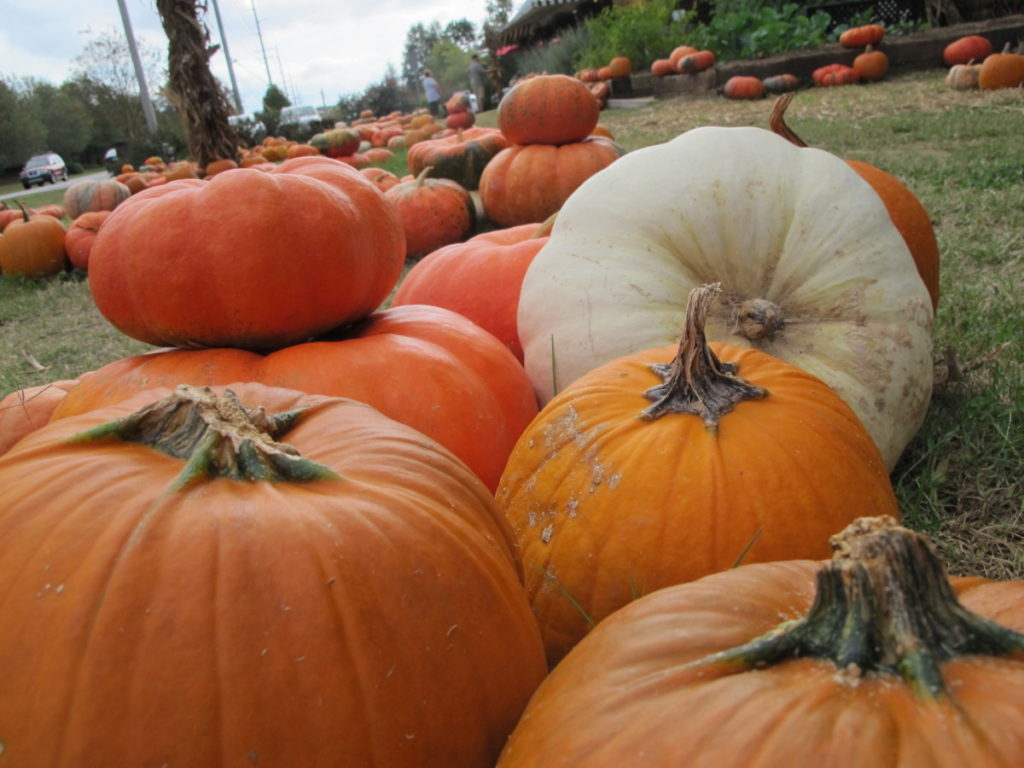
(556,57)
(757,32)
(642,31)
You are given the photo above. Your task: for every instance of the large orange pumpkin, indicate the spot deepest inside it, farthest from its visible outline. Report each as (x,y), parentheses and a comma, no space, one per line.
(480,279)
(425,366)
(873,660)
(249,259)
(271,578)
(905,210)
(966,49)
(669,464)
(1002,70)
(524,184)
(433,212)
(547,109)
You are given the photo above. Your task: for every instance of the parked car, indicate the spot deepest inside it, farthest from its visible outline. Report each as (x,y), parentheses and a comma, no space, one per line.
(305,117)
(248,127)
(40,169)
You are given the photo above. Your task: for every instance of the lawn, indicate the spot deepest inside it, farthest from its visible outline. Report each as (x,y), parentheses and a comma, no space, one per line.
(959,152)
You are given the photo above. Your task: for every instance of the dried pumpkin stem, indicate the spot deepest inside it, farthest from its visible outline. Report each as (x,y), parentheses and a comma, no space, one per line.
(216,436)
(777,120)
(883,605)
(696,381)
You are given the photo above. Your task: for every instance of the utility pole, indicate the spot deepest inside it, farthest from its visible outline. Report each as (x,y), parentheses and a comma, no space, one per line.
(259,34)
(140,75)
(227,55)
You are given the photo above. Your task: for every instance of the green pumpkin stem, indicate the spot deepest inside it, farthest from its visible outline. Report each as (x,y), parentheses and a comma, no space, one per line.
(216,437)
(883,605)
(696,381)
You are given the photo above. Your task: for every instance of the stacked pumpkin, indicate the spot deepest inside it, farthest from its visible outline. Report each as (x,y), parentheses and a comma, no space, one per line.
(323,582)
(460,111)
(548,121)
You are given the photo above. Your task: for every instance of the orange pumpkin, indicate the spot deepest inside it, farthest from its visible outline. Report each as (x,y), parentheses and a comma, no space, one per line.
(219,166)
(781,83)
(743,87)
(524,184)
(663,466)
(863,36)
(693,63)
(835,74)
(876,658)
(966,49)
(26,410)
(604,73)
(424,366)
(905,210)
(1002,70)
(33,246)
(547,109)
(620,66)
(871,65)
(381,178)
(204,579)
(300,257)
(662,67)
(81,235)
(433,212)
(480,279)
(680,52)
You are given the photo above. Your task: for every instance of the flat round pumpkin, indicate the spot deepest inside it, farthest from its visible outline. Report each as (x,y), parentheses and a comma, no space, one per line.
(812,270)
(247,259)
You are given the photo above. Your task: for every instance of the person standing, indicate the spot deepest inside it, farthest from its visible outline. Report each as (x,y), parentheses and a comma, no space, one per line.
(476,81)
(431,90)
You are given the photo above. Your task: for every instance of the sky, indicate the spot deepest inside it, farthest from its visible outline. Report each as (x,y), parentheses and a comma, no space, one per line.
(316,50)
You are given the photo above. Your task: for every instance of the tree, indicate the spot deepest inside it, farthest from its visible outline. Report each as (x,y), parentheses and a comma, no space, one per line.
(419,42)
(197,94)
(274,100)
(22,132)
(106,59)
(69,126)
(448,62)
(460,32)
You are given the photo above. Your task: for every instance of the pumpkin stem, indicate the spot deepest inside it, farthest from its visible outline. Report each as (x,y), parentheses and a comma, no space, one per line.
(545,227)
(423,175)
(777,120)
(24,210)
(696,381)
(216,436)
(883,605)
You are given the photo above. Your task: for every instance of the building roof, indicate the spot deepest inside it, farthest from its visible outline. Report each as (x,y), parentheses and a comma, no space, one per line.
(534,16)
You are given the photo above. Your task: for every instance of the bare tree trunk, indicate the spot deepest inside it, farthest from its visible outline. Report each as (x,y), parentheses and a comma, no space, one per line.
(196,93)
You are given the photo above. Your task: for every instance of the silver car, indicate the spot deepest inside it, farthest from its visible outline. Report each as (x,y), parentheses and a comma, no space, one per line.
(42,169)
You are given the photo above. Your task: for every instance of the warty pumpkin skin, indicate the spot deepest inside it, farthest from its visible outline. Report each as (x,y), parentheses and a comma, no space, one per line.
(337,613)
(525,184)
(704,675)
(184,264)
(547,109)
(618,489)
(795,228)
(480,279)
(424,366)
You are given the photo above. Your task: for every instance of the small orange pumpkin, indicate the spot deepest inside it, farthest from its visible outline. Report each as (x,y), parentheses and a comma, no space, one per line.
(662,67)
(679,52)
(33,246)
(693,63)
(620,66)
(871,65)
(963,77)
(433,212)
(81,235)
(547,109)
(743,87)
(861,37)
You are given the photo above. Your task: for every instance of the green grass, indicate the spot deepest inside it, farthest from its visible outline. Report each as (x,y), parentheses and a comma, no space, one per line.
(959,152)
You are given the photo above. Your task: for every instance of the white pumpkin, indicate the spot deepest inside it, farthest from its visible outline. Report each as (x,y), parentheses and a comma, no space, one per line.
(811,266)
